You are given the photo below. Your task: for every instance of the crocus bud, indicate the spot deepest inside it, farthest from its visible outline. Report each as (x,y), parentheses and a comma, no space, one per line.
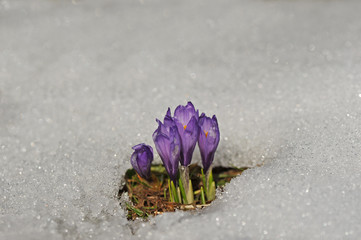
(208,139)
(141,160)
(186,120)
(167,143)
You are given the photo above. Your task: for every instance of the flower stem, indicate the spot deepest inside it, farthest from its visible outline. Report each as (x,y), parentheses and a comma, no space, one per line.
(204,181)
(190,195)
(211,185)
(202,196)
(171,199)
(187,184)
(184,196)
(174,192)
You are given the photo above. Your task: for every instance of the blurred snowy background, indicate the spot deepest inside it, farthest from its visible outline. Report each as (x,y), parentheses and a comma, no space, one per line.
(83,81)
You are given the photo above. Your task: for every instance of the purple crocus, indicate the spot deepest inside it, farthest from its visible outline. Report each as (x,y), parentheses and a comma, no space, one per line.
(186,120)
(167,143)
(141,159)
(208,139)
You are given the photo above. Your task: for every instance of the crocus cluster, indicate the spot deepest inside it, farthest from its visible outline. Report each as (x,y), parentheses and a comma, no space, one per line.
(175,140)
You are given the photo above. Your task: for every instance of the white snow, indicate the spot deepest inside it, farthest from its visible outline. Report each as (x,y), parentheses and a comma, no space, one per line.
(83,81)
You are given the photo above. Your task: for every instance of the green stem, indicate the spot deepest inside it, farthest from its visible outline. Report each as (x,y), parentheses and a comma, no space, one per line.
(171,199)
(204,180)
(202,196)
(211,185)
(174,192)
(184,196)
(179,195)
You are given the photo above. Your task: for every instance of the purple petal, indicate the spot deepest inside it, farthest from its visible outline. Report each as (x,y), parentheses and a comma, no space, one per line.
(189,137)
(133,161)
(186,120)
(184,113)
(168,121)
(162,144)
(141,159)
(208,140)
(169,113)
(138,146)
(167,142)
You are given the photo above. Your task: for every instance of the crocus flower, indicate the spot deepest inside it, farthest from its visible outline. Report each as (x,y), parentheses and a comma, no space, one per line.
(141,159)
(186,120)
(208,139)
(167,143)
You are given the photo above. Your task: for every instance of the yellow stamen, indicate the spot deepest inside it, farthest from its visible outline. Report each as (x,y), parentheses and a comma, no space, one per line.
(206,133)
(185,126)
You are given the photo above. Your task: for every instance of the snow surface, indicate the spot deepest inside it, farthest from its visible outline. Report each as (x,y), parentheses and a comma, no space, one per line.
(83,81)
